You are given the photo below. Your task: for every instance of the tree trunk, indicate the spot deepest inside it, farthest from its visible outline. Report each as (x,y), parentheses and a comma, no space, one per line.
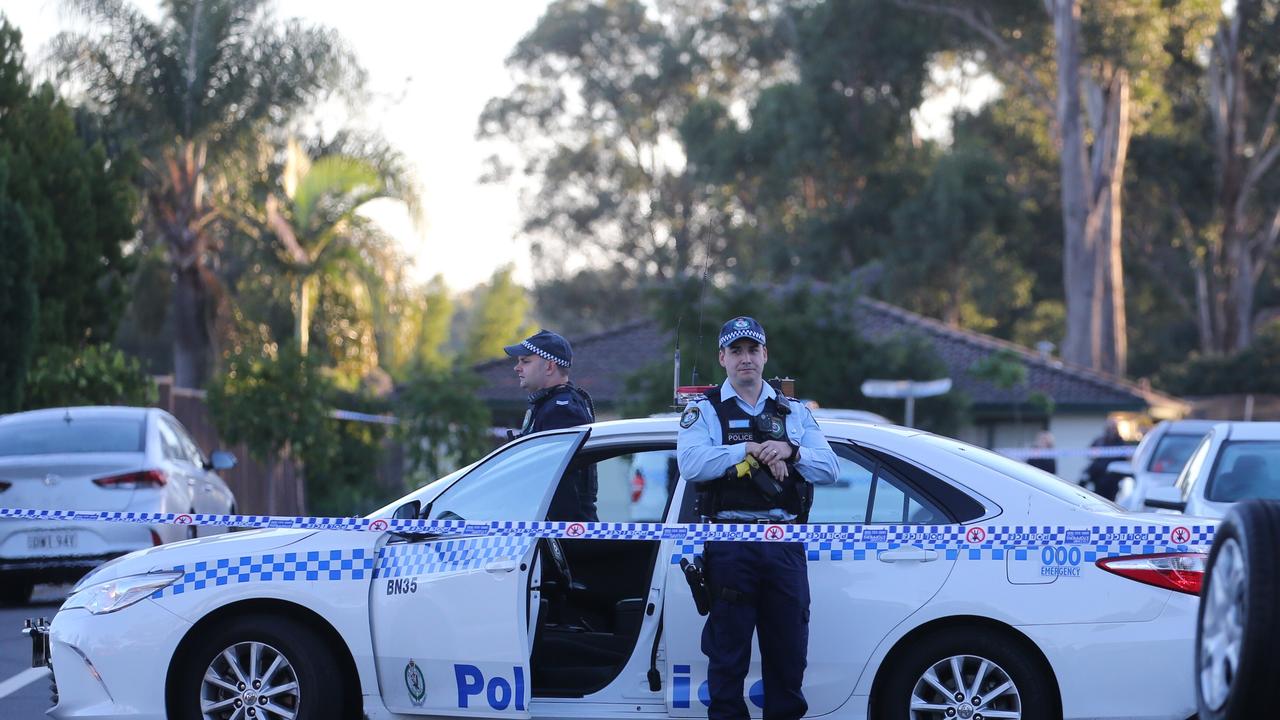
(1080,278)
(1110,151)
(192,336)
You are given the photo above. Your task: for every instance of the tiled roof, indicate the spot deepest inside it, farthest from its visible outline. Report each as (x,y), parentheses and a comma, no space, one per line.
(601,363)
(604,360)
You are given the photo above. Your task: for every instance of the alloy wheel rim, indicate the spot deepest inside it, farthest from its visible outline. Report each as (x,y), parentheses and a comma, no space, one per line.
(250,681)
(1222,630)
(965,687)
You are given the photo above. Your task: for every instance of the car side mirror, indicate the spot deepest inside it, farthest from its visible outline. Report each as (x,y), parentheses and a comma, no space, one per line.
(408,511)
(1165,497)
(1120,467)
(220,460)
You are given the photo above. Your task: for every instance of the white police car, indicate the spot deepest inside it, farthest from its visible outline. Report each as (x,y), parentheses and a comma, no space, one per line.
(974,587)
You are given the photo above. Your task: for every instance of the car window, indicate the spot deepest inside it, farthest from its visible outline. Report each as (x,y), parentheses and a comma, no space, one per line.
(636,486)
(170,445)
(1245,471)
(1187,478)
(53,435)
(511,485)
(190,450)
(1172,452)
(867,491)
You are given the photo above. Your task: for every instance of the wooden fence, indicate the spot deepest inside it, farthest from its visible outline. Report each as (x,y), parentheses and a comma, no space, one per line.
(260,489)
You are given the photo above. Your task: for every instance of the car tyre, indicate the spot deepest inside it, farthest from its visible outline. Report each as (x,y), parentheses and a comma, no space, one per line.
(295,672)
(16,592)
(1238,622)
(985,661)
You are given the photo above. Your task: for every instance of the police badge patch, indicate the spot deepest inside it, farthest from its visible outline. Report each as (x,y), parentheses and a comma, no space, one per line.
(415,683)
(689,417)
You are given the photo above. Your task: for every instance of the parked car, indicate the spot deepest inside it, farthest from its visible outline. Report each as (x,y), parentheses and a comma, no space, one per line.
(1238,624)
(1235,461)
(1157,460)
(97,458)
(311,624)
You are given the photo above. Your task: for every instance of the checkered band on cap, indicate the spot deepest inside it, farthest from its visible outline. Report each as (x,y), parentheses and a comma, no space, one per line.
(544,354)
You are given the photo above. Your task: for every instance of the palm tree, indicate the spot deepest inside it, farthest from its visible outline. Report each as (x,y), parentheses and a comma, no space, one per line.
(315,213)
(195,88)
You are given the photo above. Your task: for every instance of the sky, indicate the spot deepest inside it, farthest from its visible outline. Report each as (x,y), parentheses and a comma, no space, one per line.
(432,66)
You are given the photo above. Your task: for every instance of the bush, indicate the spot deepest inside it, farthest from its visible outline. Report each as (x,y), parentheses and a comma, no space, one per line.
(1256,369)
(445,425)
(93,375)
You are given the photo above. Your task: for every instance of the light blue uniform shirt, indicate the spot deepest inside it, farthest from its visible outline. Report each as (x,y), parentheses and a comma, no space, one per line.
(703,456)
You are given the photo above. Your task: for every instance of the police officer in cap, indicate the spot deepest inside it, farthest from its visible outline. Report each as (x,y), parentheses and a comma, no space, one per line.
(754,455)
(542,366)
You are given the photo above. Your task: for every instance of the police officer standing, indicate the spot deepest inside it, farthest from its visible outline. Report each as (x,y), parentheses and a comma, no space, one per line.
(542,366)
(754,454)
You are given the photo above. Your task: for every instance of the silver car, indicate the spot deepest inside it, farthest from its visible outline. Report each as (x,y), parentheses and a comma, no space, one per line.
(1236,461)
(97,458)
(1157,460)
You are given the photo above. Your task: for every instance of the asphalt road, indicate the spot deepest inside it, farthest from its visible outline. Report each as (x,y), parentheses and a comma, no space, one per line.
(29,701)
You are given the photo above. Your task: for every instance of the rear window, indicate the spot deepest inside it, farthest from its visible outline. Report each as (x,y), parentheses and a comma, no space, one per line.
(1018,470)
(1172,453)
(58,435)
(1245,471)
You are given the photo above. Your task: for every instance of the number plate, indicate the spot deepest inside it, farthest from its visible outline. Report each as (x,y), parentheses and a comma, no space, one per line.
(51,541)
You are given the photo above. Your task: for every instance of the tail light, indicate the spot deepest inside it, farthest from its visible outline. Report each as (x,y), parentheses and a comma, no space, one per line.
(1173,571)
(132,481)
(637,486)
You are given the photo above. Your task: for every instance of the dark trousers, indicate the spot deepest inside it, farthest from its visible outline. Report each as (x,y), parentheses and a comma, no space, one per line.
(762,588)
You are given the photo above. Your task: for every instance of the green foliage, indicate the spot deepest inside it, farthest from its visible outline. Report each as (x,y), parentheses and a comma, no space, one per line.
(442,420)
(499,318)
(18,300)
(346,482)
(1004,369)
(1253,370)
(276,404)
(67,211)
(93,375)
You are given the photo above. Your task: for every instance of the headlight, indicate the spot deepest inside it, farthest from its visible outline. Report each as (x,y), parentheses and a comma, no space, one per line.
(120,593)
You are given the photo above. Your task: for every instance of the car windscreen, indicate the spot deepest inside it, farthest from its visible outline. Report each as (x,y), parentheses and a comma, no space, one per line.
(1245,470)
(71,435)
(1039,479)
(1172,453)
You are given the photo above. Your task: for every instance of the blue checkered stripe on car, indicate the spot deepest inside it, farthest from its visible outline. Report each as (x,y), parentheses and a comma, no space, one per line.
(312,566)
(444,556)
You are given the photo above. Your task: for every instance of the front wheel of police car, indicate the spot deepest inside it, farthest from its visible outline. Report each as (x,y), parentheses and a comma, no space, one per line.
(1238,627)
(965,673)
(256,667)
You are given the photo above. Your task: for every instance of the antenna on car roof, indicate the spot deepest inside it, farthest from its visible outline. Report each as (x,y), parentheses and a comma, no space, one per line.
(684,393)
(702,296)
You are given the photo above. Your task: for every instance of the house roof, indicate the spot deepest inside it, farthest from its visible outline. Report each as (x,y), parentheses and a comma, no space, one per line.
(603,361)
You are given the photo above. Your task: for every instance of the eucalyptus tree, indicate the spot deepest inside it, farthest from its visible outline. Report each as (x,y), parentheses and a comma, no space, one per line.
(195,87)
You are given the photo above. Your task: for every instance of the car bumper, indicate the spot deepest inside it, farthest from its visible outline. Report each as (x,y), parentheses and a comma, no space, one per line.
(113,665)
(82,546)
(1135,670)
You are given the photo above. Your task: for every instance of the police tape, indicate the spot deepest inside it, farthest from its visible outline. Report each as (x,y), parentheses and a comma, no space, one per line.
(938,537)
(1102,451)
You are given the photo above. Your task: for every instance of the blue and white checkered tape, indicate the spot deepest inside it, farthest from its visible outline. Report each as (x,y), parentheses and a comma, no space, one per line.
(313,566)
(939,537)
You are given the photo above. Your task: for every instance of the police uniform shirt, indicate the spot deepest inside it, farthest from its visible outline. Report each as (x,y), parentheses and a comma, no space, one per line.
(703,456)
(555,408)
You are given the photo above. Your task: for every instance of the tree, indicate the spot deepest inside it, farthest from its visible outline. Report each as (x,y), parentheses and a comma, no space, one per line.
(498,319)
(18,300)
(1099,59)
(194,88)
(316,208)
(95,375)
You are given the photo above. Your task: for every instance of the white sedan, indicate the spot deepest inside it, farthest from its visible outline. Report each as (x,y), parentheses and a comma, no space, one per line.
(932,613)
(126,459)
(1157,460)
(1235,461)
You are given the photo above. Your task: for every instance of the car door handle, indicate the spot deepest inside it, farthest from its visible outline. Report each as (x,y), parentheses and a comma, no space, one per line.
(907,555)
(503,565)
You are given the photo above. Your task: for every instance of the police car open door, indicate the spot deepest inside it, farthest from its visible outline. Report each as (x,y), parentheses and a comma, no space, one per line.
(450,615)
